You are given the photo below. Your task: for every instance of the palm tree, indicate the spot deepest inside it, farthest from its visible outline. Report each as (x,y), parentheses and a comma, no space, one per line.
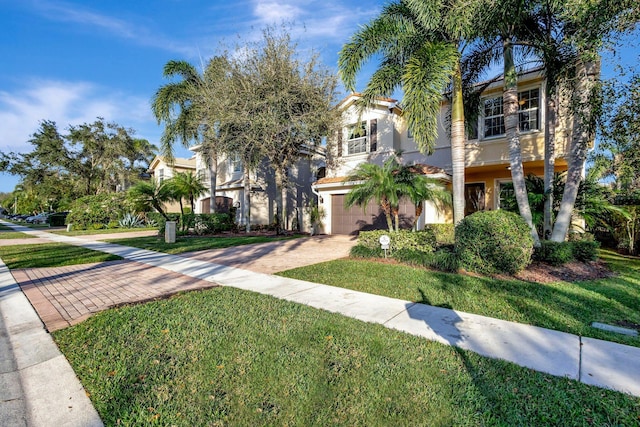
(151,195)
(419,43)
(187,185)
(506,21)
(377,183)
(194,121)
(420,189)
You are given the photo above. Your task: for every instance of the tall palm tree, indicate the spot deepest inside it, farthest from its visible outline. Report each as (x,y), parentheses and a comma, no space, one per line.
(505,22)
(419,43)
(191,123)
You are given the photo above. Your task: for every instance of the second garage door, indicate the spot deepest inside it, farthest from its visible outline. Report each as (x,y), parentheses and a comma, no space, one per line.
(355,219)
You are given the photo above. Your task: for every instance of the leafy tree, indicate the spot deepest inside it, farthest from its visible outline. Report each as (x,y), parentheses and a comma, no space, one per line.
(294,102)
(590,24)
(618,150)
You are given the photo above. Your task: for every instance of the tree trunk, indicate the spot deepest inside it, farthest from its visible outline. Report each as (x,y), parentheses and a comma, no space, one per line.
(587,74)
(386,208)
(457,145)
(549,164)
(281,194)
(247,198)
(510,106)
(213,179)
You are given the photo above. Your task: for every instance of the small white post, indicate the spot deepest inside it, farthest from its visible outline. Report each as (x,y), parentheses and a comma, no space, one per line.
(170,232)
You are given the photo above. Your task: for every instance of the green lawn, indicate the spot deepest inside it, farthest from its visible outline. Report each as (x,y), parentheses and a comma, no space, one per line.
(64,232)
(50,255)
(190,244)
(569,307)
(6,233)
(229,357)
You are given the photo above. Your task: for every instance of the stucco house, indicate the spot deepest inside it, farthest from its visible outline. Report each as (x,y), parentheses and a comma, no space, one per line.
(376,133)
(230,188)
(161,170)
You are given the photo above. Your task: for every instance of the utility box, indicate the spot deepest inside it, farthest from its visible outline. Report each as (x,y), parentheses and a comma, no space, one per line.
(170,232)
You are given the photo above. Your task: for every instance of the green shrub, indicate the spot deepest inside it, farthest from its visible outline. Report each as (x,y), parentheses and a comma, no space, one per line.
(445,259)
(493,242)
(57,219)
(99,209)
(424,241)
(96,226)
(361,251)
(585,250)
(444,233)
(554,253)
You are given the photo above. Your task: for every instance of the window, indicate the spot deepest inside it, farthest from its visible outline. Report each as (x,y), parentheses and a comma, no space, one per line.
(235,163)
(160,176)
(493,117)
(528,104)
(357,141)
(528,113)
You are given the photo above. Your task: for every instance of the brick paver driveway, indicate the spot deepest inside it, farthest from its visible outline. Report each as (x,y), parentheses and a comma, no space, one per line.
(64,296)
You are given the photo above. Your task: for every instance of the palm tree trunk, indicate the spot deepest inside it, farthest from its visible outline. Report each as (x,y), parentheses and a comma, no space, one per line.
(588,73)
(457,145)
(247,198)
(510,105)
(549,164)
(213,178)
(386,208)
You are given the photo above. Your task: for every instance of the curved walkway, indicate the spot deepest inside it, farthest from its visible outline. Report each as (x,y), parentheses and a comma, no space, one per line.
(591,361)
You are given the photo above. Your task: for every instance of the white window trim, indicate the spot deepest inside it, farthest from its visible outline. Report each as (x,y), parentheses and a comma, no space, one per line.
(366,137)
(541,116)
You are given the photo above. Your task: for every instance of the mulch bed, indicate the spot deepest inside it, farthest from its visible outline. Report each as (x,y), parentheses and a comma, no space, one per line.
(570,272)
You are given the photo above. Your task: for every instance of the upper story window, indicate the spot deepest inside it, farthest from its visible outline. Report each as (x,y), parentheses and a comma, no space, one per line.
(357,140)
(160,176)
(528,113)
(235,163)
(528,106)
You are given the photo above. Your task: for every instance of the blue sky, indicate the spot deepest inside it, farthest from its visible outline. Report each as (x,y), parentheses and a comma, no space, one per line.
(73,61)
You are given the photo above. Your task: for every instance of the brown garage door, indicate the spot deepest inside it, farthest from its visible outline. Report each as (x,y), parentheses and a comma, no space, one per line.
(354,219)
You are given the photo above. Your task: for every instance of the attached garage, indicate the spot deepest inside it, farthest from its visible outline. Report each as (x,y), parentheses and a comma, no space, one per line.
(352,220)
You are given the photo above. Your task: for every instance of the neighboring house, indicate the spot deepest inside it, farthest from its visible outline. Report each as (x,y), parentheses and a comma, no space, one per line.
(230,188)
(379,131)
(161,171)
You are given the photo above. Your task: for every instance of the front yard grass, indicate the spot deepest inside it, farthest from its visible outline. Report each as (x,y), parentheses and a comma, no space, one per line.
(8,234)
(229,357)
(568,307)
(50,255)
(64,232)
(195,243)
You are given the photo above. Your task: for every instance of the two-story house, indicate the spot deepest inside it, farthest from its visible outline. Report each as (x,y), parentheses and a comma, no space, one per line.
(161,171)
(376,133)
(230,188)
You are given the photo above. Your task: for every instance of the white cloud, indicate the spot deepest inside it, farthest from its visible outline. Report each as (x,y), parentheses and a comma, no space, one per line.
(276,11)
(331,21)
(135,31)
(68,103)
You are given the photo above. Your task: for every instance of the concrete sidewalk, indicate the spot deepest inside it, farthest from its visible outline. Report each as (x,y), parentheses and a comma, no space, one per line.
(591,361)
